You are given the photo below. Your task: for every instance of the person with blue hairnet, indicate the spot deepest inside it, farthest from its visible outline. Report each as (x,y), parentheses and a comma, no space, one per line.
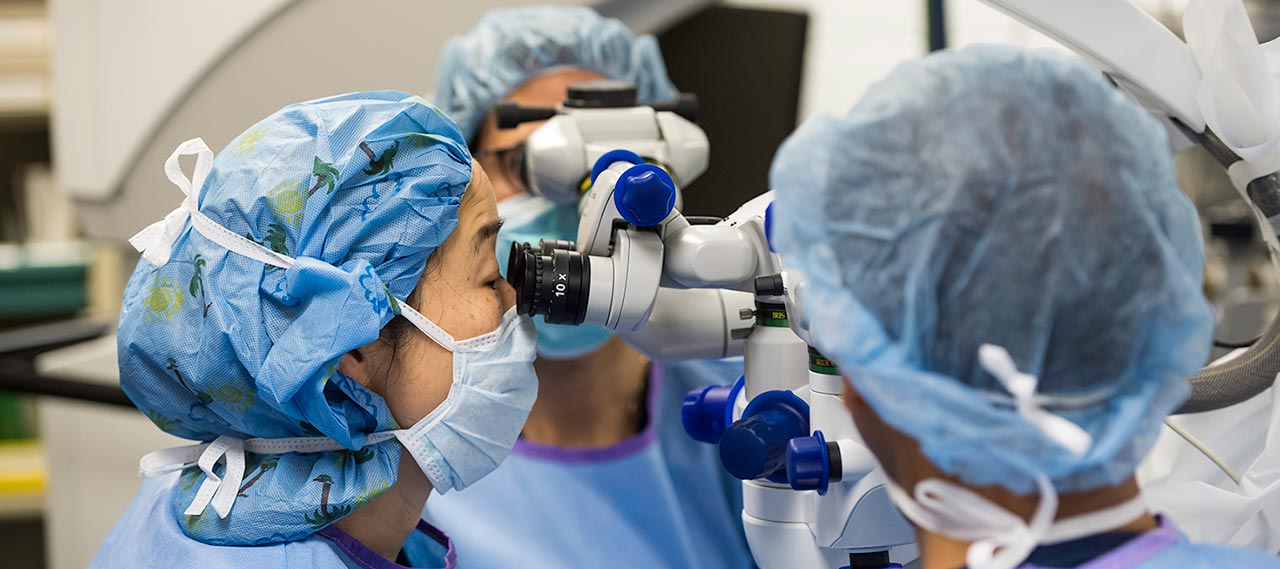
(997,256)
(324,311)
(603,475)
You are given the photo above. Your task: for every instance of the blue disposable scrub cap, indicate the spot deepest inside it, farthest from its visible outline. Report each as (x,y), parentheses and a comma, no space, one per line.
(511,46)
(358,190)
(991,195)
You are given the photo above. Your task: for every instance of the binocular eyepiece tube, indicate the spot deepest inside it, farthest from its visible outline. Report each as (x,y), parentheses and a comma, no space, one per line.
(552,280)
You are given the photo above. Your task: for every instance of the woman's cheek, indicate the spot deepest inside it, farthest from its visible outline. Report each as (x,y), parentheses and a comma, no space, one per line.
(489,311)
(424,390)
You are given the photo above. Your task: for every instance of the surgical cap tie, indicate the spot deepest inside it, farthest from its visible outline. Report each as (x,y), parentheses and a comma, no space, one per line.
(156,241)
(222,495)
(220,491)
(997,362)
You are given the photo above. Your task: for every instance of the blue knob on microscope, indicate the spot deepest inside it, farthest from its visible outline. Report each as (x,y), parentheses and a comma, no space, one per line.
(608,158)
(644,195)
(809,463)
(756,445)
(708,411)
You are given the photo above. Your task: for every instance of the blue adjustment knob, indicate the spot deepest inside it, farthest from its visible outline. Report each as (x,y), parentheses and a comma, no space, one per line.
(707,412)
(756,445)
(608,158)
(644,195)
(809,463)
(768,226)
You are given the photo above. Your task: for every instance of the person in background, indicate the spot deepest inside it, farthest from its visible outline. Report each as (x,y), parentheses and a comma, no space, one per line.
(325,311)
(603,474)
(1000,261)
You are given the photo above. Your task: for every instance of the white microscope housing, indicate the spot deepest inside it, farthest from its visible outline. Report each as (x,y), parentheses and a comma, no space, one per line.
(599,116)
(678,289)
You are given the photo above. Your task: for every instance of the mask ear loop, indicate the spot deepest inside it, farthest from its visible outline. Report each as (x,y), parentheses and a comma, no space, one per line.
(481,343)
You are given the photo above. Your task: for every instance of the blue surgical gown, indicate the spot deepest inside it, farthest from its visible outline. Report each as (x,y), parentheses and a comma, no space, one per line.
(148,536)
(657,500)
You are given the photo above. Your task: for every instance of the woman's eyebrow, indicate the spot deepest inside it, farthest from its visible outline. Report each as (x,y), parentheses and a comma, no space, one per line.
(484,234)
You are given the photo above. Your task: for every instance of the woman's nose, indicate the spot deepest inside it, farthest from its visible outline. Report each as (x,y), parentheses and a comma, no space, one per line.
(507,294)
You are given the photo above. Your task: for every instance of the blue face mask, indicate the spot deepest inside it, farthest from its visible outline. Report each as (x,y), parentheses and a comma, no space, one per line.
(528,219)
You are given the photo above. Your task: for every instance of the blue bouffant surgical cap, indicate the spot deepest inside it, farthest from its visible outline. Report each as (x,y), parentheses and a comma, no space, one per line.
(511,46)
(358,190)
(992,195)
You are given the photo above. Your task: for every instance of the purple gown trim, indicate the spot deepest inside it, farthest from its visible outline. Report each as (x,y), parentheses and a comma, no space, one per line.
(1138,550)
(366,558)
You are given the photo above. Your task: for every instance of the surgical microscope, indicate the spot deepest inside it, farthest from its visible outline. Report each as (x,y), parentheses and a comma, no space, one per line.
(688,288)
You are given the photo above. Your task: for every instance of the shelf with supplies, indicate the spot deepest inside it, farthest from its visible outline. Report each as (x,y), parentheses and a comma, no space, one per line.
(43,279)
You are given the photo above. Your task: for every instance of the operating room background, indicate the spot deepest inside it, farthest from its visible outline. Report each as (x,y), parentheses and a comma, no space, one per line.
(93,97)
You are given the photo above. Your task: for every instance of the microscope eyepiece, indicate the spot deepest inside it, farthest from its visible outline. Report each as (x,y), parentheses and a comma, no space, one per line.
(511,115)
(551,280)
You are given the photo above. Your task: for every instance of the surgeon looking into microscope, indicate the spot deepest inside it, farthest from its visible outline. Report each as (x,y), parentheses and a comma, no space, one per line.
(999,259)
(603,474)
(349,347)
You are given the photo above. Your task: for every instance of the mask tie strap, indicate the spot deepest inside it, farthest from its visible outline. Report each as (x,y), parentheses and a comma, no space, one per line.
(1008,550)
(1000,539)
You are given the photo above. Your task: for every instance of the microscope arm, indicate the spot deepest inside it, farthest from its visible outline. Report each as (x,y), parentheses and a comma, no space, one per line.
(695,324)
(1140,53)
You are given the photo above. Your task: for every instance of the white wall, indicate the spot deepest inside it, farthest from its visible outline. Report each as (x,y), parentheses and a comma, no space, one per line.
(853,43)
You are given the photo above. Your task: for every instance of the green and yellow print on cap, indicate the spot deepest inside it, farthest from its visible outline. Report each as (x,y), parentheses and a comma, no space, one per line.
(420,141)
(326,176)
(247,141)
(287,200)
(164,423)
(232,393)
(164,299)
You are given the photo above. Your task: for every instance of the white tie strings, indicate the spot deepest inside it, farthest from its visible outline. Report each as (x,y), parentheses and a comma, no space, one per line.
(997,362)
(1001,539)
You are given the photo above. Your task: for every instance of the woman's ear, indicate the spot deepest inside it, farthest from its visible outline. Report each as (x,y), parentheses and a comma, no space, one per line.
(355,365)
